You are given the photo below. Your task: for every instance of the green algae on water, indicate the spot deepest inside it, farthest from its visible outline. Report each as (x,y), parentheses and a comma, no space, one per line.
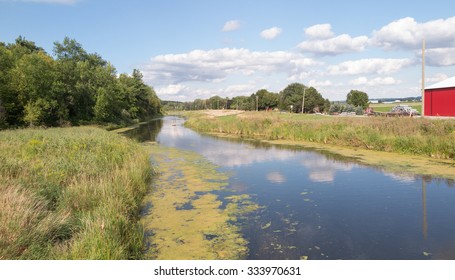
(187,220)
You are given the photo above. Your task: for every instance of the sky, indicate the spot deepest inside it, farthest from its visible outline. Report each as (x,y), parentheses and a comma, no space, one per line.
(201,48)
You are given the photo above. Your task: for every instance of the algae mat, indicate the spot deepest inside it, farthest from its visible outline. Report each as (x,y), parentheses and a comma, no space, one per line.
(186,218)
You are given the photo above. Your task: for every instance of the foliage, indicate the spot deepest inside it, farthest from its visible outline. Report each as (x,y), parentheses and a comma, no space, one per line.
(266,100)
(357,98)
(294,94)
(75,87)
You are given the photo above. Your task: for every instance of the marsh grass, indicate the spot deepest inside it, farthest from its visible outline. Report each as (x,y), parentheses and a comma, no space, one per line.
(414,136)
(71,193)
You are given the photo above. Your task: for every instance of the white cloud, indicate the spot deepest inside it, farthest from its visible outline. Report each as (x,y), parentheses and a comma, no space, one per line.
(407,34)
(370,66)
(317,84)
(271,33)
(440,57)
(171,89)
(218,64)
(334,46)
(320,31)
(436,78)
(379,81)
(231,25)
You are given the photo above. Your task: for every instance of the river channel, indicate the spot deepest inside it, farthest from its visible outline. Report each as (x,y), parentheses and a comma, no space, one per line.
(318,205)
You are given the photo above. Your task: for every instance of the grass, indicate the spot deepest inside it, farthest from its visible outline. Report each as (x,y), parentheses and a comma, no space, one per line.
(71,193)
(413,136)
(383,107)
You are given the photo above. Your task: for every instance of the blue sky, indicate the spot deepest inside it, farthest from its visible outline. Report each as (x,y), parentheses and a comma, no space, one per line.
(197,49)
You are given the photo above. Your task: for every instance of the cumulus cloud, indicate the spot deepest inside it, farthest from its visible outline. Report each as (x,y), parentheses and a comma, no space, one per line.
(378,81)
(271,33)
(440,57)
(316,84)
(334,46)
(436,78)
(319,31)
(217,64)
(322,41)
(370,66)
(231,25)
(170,90)
(407,34)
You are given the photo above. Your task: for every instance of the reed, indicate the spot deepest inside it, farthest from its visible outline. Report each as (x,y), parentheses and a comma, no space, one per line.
(71,193)
(415,136)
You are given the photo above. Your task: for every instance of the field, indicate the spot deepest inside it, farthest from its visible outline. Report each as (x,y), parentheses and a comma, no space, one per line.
(382,107)
(71,193)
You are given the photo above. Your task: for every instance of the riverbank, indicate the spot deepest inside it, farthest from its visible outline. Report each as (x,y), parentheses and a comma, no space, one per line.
(71,193)
(418,146)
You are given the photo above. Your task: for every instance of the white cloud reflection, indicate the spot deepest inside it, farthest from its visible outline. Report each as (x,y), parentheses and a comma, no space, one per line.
(276,177)
(323,170)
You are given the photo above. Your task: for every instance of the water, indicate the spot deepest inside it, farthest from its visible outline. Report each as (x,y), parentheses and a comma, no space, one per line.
(322,206)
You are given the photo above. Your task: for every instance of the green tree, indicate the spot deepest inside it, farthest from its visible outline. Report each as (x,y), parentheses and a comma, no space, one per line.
(246,103)
(314,102)
(266,99)
(33,83)
(216,102)
(357,98)
(8,100)
(292,96)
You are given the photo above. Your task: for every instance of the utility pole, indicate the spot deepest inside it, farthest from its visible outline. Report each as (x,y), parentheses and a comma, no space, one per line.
(257,103)
(423,78)
(303,100)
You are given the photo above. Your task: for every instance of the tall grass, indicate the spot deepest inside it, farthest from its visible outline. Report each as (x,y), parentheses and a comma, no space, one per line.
(416,136)
(71,193)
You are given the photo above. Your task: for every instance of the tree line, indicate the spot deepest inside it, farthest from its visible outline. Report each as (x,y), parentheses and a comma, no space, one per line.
(73,87)
(290,99)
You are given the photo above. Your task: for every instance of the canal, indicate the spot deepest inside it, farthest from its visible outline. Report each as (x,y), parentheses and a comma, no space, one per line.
(317,205)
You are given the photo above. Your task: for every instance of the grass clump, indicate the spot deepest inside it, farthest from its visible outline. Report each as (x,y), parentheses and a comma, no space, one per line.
(71,193)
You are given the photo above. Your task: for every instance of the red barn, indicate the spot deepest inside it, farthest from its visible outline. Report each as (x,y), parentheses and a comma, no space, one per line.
(440,98)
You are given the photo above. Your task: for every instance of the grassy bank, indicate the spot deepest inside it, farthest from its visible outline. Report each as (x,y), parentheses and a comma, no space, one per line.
(71,193)
(412,136)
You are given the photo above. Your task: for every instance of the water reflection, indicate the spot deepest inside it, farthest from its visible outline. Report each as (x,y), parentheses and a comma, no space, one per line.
(323,169)
(323,206)
(276,177)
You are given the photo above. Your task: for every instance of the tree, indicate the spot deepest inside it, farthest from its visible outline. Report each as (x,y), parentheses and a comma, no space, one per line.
(357,98)
(33,83)
(292,96)
(266,99)
(314,102)
(74,87)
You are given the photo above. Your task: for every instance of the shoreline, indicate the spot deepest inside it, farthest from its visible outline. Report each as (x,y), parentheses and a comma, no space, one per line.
(389,161)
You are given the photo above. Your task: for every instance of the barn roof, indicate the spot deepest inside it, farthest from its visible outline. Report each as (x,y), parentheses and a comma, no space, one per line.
(447,83)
